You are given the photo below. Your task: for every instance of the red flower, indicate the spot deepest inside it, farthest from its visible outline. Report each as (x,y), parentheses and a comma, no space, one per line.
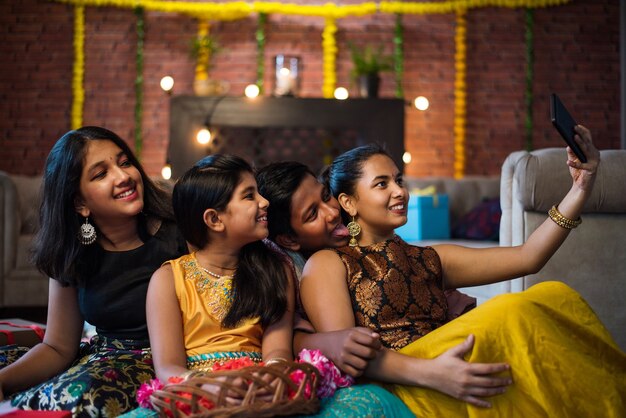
(234,364)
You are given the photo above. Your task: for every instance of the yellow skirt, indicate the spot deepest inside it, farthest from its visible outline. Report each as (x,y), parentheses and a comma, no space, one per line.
(564,363)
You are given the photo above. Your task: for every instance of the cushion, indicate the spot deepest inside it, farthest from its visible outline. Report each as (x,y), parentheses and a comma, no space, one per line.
(480,223)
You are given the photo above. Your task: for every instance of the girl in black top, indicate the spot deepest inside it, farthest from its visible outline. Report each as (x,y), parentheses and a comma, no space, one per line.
(105,228)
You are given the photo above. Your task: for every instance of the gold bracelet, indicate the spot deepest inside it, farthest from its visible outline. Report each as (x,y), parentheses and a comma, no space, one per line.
(275,360)
(561,220)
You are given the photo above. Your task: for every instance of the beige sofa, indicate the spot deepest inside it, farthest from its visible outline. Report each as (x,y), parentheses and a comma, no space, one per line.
(20,283)
(593,258)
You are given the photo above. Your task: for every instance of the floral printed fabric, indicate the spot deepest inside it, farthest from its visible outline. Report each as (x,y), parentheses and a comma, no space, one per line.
(11,353)
(103,381)
(396,289)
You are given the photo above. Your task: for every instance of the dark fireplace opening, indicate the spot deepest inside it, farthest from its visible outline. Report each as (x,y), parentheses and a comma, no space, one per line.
(315,147)
(270,129)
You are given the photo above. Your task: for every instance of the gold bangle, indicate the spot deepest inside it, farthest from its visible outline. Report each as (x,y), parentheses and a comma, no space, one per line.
(275,360)
(561,220)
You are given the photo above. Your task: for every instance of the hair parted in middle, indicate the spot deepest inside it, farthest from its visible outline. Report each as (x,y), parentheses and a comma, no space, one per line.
(345,171)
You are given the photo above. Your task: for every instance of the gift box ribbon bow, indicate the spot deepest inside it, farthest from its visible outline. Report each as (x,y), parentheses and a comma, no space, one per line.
(428,191)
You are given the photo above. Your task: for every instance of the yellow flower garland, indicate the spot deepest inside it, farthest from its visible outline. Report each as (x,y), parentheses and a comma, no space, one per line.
(458,5)
(329,46)
(460,92)
(202,61)
(238,9)
(78,90)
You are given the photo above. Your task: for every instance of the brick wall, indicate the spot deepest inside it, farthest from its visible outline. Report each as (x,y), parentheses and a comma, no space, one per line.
(576,55)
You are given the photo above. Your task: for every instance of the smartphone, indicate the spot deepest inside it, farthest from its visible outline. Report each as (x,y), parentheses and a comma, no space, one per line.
(564,123)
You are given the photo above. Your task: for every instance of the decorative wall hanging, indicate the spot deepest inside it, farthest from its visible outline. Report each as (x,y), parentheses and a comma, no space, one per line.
(460,93)
(78,69)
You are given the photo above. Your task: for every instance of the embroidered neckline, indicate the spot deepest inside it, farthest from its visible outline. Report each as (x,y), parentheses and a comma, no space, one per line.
(216,293)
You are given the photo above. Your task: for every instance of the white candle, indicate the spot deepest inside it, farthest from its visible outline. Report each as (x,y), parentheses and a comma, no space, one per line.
(284,82)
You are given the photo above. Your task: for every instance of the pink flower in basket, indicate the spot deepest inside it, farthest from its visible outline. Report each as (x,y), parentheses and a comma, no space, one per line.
(331,377)
(145,390)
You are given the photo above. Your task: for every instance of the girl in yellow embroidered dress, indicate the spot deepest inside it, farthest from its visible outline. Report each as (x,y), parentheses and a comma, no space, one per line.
(232,297)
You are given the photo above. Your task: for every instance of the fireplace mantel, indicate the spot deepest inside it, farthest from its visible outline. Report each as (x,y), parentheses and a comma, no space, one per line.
(375,120)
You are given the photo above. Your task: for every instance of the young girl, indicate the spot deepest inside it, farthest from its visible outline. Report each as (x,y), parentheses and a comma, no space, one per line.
(231,298)
(543,351)
(105,228)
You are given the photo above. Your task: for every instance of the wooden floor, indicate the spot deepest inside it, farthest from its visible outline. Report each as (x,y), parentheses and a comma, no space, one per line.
(34,314)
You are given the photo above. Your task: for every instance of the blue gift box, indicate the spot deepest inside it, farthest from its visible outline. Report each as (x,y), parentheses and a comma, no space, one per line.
(428,218)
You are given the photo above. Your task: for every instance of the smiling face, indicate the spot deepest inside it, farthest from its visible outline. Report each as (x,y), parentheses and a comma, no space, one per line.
(245,216)
(380,201)
(111,188)
(315,217)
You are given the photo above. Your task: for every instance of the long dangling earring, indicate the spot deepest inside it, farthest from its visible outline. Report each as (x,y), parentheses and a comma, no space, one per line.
(87,234)
(354,229)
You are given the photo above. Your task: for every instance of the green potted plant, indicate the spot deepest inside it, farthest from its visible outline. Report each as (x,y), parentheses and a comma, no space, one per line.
(368,62)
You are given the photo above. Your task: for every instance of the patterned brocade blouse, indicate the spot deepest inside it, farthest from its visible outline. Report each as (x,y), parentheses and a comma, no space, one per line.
(396,289)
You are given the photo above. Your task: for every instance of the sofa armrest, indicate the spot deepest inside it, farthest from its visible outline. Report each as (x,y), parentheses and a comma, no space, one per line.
(9,225)
(543,179)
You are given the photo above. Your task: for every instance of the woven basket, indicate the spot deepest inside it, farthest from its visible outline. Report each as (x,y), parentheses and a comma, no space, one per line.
(186,399)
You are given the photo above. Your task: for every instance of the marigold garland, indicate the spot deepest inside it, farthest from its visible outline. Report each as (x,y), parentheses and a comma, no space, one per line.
(240,9)
(329,46)
(459,5)
(78,90)
(460,93)
(202,60)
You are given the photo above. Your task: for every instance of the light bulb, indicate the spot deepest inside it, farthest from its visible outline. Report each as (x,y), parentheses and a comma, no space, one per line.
(406,157)
(421,103)
(252,91)
(341,93)
(167,83)
(166,172)
(204,136)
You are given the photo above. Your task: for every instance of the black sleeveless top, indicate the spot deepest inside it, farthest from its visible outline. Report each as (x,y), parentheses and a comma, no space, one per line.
(396,289)
(114,299)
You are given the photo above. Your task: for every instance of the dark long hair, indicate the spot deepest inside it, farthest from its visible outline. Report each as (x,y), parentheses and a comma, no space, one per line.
(346,170)
(260,282)
(56,249)
(277,183)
